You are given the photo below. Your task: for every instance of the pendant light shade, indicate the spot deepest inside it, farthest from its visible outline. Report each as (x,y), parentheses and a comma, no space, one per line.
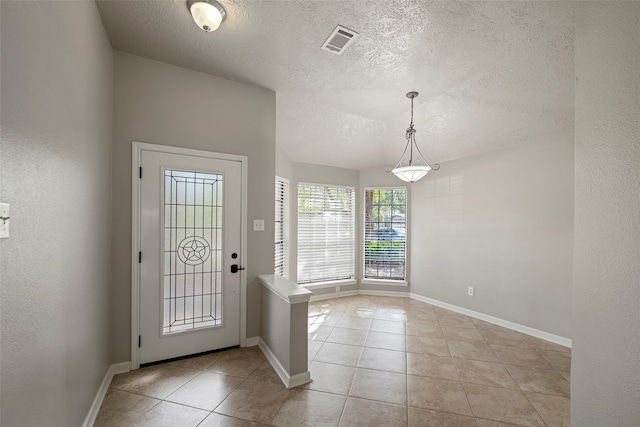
(412,169)
(411,173)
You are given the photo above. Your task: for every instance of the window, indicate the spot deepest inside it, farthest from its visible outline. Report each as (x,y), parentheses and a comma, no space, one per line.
(282,228)
(326,233)
(385,233)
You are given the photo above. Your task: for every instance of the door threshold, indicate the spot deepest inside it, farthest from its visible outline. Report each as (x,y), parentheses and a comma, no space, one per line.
(189,356)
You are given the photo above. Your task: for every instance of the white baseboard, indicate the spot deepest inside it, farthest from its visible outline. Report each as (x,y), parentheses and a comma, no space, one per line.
(253,341)
(334,295)
(121,368)
(384,293)
(299,379)
(566,342)
(118,368)
(288,381)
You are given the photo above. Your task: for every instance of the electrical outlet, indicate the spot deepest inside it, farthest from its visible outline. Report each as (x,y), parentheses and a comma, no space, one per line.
(470,291)
(337,289)
(258,225)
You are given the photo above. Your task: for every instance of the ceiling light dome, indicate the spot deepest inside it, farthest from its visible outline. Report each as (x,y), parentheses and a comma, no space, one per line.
(208,14)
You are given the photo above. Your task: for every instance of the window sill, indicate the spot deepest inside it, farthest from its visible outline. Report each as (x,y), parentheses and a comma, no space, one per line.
(330,284)
(383,282)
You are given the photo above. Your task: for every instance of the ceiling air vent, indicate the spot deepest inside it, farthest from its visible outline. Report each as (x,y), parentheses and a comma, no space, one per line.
(339,40)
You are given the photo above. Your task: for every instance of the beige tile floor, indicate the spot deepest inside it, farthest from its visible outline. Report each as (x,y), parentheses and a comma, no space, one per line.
(375,361)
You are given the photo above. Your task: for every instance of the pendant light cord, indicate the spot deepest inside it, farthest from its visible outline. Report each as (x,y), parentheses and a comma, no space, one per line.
(411,124)
(411,141)
(410,137)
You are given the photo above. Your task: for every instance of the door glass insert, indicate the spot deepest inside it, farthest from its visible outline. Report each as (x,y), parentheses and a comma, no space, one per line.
(193,226)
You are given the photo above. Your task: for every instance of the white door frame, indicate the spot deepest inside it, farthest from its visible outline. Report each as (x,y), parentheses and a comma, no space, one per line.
(137,148)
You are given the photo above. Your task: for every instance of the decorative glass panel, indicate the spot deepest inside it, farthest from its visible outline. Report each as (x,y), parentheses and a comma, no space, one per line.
(193,225)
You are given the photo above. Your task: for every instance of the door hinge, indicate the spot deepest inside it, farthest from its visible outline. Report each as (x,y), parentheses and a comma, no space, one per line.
(139,257)
(140,171)
(139,341)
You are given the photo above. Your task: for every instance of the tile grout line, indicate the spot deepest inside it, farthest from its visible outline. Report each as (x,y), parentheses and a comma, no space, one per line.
(534,408)
(406,371)
(346,400)
(143,412)
(484,340)
(510,376)
(361,350)
(275,414)
(463,388)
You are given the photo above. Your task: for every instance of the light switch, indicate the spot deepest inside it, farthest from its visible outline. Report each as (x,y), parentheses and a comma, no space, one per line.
(258,225)
(4,220)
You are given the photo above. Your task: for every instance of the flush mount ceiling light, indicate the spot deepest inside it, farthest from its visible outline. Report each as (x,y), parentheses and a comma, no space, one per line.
(412,169)
(208,14)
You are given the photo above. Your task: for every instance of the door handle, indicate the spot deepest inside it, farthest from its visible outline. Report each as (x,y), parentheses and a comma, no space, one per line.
(235,268)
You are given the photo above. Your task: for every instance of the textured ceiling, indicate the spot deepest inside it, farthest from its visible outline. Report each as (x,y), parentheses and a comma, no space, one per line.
(488,73)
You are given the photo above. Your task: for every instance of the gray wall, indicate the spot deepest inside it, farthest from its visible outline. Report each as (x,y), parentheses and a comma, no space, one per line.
(56,106)
(163,104)
(605,370)
(299,333)
(275,326)
(284,330)
(284,165)
(501,222)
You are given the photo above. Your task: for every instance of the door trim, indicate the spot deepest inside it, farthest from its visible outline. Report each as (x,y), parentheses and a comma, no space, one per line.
(136,156)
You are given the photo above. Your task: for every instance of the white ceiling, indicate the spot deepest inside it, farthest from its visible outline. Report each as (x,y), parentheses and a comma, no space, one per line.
(488,73)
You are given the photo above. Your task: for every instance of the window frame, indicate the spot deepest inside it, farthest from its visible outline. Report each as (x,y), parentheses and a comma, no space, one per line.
(329,281)
(384,281)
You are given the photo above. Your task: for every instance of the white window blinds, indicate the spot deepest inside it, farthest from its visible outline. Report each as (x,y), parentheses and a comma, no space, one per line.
(282,228)
(326,233)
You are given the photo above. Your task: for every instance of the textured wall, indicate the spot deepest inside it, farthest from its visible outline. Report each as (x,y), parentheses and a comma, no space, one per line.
(56,97)
(168,105)
(503,223)
(605,371)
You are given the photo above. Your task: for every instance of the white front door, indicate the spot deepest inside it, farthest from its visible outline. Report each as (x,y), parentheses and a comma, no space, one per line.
(190,235)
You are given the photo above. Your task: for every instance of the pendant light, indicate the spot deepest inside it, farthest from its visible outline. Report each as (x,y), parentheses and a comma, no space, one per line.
(412,169)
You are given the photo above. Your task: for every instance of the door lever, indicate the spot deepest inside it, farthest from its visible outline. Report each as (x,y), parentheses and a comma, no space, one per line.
(235,268)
